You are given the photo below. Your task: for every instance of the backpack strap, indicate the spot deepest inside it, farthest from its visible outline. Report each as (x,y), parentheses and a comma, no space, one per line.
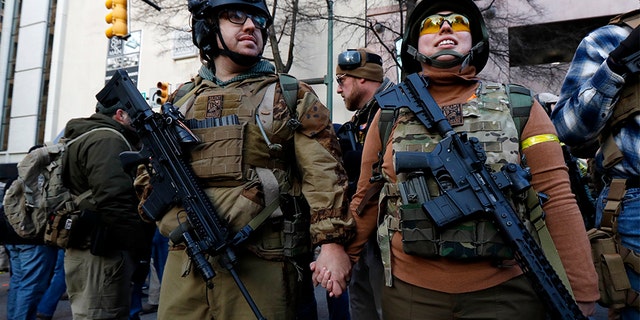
(186,91)
(521,100)
(100,129)
(289,86)
(81,197)
(385,124)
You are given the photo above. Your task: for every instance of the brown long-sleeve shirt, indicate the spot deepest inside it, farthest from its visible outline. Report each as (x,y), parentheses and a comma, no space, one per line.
(549,176)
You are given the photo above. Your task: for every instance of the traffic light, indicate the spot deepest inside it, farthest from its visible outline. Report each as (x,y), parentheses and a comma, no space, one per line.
(118,18)
(162,93)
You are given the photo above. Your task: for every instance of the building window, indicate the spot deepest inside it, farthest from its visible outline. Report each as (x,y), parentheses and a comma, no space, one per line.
(11,67)
(46,73)
(14,32)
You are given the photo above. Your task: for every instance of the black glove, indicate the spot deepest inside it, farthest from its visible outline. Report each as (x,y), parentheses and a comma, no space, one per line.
(627,47)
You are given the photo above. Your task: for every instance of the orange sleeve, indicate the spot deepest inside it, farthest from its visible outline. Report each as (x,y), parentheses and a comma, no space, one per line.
(367,218)
(563,218)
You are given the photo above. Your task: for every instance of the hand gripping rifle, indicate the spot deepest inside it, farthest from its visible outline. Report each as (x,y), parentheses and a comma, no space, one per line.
(163,136)
(458,165)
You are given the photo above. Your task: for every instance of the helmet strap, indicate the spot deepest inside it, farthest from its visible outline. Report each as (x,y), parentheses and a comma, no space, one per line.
(459,59)
(240,59)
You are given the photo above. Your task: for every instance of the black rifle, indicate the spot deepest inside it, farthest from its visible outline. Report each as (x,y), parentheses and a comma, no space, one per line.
(163,136)
(458,165)
(632,62)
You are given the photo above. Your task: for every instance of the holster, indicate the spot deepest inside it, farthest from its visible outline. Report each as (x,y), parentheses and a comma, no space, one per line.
(297,217)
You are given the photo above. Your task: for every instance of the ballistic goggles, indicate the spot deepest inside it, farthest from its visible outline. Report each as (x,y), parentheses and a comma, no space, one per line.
(236,16)
(351,59)
(433,23)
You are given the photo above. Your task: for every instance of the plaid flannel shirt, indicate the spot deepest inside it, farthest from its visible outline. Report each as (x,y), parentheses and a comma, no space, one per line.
(588,95)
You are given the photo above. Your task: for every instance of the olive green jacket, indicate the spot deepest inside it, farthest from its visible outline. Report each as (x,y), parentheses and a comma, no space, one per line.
(93,163)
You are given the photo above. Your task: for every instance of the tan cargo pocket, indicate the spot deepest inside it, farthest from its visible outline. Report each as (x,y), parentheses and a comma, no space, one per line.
(220,157)
(613,281)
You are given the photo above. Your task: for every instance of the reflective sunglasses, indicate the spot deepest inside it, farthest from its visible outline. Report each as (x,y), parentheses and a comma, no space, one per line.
(433,23)
(351,59)
(240,17)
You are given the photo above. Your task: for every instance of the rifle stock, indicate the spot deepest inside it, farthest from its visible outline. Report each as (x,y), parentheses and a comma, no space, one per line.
(163,136)
(458,165)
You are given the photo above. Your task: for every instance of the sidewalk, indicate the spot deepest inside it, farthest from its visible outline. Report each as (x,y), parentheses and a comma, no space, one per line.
(63,312)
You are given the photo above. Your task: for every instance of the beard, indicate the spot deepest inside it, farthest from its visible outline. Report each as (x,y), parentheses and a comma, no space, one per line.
(354,101)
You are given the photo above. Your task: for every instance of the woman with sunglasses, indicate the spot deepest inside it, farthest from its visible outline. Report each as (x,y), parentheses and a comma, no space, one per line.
(464,269)
(269,163)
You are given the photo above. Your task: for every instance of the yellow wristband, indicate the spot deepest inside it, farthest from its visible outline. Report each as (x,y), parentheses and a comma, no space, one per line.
(528,142)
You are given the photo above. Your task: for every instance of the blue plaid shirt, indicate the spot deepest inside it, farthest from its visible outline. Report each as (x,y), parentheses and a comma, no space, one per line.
(588,94)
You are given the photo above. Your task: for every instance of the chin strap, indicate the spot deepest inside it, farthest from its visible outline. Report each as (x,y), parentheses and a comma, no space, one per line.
(240,59)
(459,59)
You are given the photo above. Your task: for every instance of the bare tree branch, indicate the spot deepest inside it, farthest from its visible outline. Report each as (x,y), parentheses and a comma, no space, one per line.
(381,31)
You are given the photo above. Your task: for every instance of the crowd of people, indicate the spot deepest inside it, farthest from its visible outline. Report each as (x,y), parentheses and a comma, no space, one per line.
(392,239)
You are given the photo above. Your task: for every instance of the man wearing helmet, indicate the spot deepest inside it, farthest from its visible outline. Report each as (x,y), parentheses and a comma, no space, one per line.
(464,270)
(262,144)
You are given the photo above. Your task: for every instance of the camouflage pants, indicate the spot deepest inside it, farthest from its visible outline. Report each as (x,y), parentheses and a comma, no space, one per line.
(184,294)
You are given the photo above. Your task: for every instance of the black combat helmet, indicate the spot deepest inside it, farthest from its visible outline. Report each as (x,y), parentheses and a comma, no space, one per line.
(204,27)
(479,53)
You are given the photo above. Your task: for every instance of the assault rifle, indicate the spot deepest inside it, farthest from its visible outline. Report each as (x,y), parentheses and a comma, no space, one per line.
(458,165)
(163,136)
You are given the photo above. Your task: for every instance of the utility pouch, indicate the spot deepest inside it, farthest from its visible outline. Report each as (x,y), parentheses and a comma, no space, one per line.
(295,229)
(418,232)
(219,159)
(63,229)
(613,282)
(477,238)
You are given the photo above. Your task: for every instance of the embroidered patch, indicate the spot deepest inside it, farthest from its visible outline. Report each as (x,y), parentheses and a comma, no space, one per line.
(214,106)
(453,113)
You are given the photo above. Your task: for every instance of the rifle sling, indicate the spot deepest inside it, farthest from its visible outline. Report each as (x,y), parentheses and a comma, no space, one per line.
(270,188)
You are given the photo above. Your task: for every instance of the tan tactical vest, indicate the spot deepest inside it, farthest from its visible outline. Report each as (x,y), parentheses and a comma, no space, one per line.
(223,159)
(236,166)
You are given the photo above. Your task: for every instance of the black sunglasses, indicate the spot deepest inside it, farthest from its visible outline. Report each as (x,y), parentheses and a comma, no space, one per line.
(240,17)
(351,59)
